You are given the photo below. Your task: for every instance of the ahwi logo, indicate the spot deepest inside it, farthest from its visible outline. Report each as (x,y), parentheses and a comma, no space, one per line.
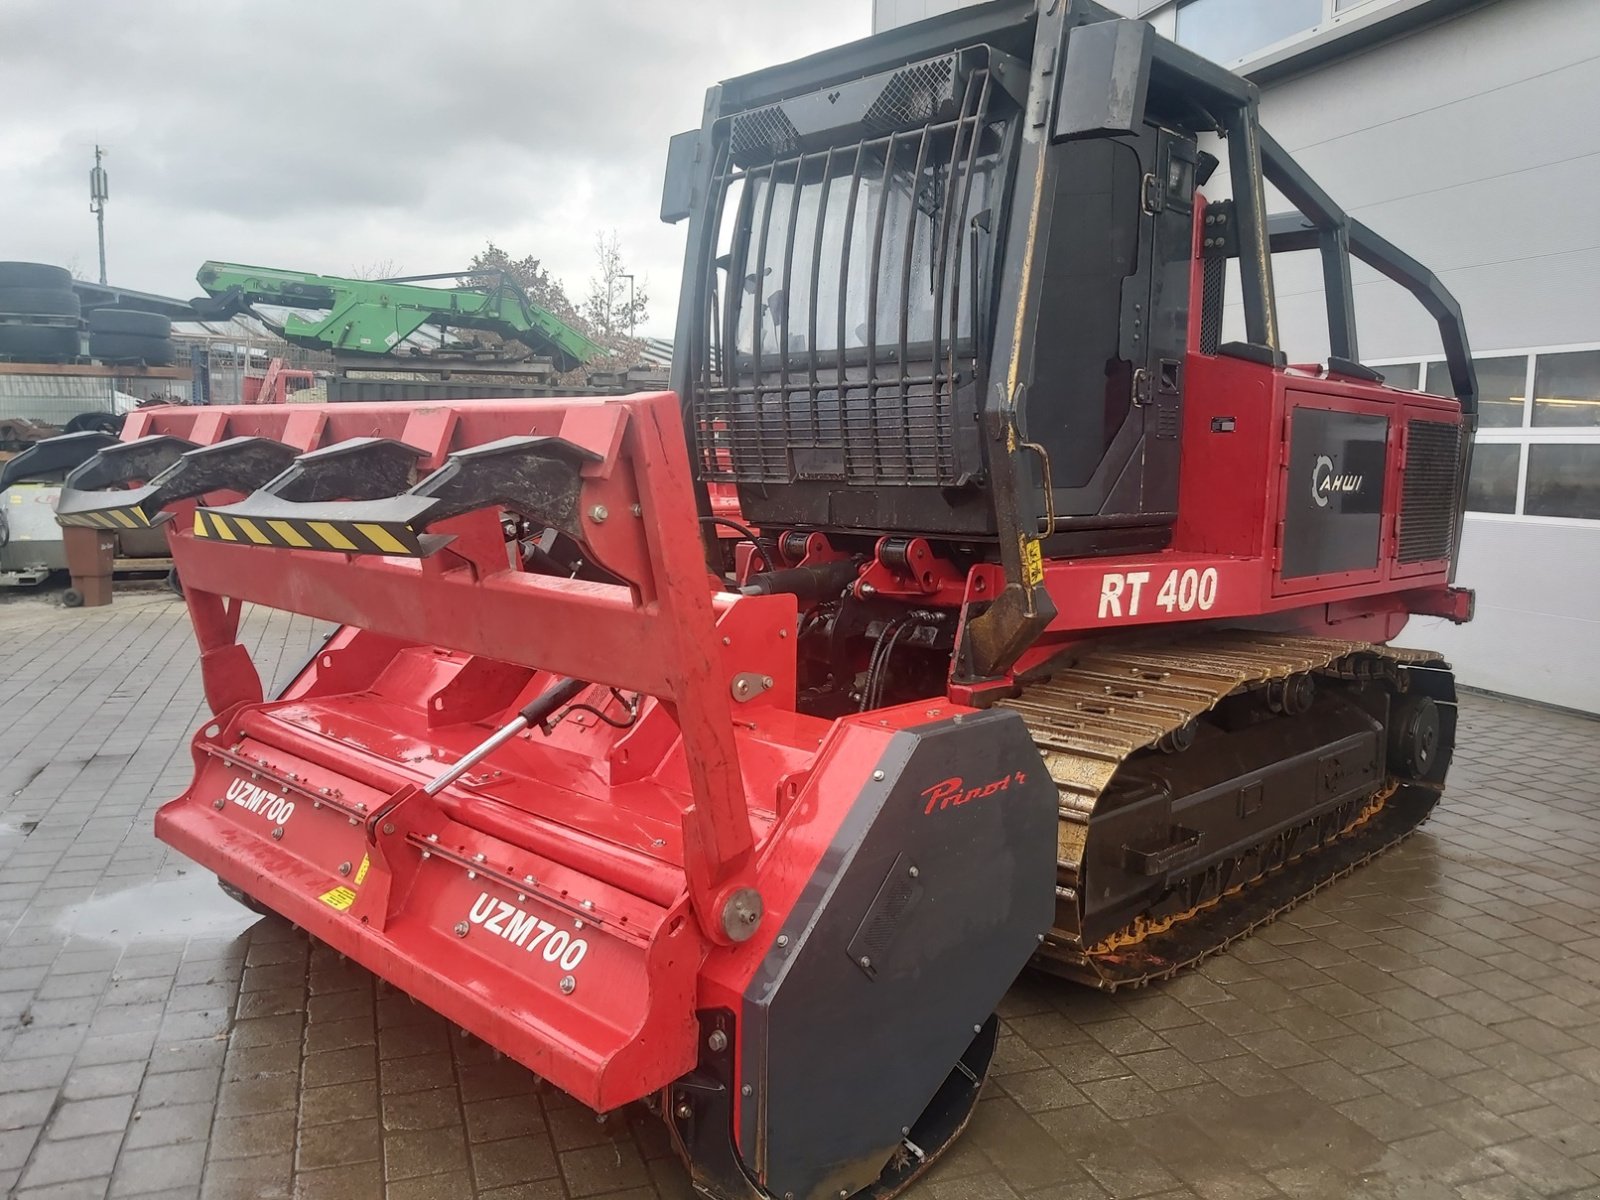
(528,931)
(1325,481)
(258,800)
(954,792)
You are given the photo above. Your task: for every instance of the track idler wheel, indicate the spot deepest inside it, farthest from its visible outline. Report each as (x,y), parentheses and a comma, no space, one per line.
(1415,736)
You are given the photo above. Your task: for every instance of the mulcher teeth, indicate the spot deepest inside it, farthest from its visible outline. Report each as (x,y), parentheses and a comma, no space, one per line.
(174,468)
(364,468)
(93,495)
(536,477)
(53,455)
(342,499)
(240,464)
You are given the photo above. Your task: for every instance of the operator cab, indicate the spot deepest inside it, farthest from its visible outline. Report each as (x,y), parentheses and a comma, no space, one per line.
(945,291)
(863,257)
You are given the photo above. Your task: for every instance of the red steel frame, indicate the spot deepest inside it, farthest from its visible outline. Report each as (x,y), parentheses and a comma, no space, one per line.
(598,831)
(652,640)
(635,839)
(632,839)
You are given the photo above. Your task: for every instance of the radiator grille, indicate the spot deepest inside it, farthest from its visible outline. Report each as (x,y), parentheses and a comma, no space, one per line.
(1428,498)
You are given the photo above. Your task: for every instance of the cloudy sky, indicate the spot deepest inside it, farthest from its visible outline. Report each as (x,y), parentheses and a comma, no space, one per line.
(336,135)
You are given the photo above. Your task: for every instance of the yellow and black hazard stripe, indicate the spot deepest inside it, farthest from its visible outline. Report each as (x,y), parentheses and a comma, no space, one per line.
(127,517)
(301,533)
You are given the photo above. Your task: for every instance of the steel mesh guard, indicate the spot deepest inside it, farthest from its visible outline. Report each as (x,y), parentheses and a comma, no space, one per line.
(913,96)
(1213,282)
(762,135)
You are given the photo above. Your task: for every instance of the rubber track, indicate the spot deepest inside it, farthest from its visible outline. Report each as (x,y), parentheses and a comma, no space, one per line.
(1088,718)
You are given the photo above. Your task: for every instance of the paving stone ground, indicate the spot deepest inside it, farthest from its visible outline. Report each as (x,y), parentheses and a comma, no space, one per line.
(1428,1027)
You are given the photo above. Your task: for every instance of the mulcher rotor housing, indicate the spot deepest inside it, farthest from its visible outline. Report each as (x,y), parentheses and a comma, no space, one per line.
(978,597)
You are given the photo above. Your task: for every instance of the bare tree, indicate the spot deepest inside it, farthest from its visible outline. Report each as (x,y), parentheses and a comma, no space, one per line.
(382,268)
(618,300)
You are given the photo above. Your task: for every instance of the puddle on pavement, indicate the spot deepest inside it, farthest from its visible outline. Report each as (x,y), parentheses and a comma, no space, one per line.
(169,910)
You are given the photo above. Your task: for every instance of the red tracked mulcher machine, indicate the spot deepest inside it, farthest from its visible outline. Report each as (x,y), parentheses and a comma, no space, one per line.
(972,602)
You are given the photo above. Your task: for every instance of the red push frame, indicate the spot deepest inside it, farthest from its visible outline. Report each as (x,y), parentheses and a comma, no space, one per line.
(638,517)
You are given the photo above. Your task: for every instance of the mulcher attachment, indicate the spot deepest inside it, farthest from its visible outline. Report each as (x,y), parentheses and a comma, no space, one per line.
(524,798)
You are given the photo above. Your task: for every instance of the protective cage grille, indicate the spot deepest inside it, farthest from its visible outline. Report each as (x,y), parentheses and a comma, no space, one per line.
(1428,497)
(812,399)
(866,434)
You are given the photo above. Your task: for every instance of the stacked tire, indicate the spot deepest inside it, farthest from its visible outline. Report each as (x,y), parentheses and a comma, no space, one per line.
(39,313)
(123,335)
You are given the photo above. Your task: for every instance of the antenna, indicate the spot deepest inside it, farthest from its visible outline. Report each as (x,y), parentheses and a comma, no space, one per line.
(99,192)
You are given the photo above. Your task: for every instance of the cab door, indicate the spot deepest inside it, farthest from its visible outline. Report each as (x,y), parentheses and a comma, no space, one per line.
(1103,409)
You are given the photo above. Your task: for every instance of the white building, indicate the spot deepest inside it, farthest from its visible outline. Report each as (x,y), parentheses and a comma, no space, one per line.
(1464,131)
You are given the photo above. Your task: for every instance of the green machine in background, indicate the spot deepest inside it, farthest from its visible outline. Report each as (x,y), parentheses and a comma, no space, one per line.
(373,316)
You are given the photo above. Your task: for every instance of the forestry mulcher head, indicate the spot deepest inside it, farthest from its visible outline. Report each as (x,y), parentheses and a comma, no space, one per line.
(570,804)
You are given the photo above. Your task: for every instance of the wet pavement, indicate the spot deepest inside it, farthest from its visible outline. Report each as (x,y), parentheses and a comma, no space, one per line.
(1428,1027)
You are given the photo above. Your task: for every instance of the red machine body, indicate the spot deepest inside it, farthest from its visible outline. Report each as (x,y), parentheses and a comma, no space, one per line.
(761,822)
(566,899)
(589,891)
(626,843)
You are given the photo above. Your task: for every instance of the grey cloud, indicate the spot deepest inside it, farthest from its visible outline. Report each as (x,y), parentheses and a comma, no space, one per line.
(323,135)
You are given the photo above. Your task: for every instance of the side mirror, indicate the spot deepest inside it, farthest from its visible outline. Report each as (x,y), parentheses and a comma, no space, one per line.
(1105,80)
(677,192)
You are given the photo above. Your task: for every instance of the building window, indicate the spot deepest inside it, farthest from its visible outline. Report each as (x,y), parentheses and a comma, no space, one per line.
(1536,456)
(1566,389)
(1405,376)
(1563,481)
(1228,30)
(1492,486)
(1502,385)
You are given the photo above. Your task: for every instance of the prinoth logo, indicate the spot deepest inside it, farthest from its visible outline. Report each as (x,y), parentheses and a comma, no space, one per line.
(1325,481)
(954,792)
